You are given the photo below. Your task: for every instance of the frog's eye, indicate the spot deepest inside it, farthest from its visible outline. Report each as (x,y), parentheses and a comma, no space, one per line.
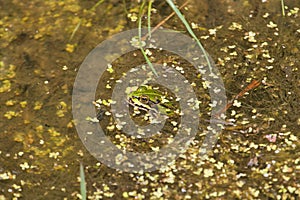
(144,99)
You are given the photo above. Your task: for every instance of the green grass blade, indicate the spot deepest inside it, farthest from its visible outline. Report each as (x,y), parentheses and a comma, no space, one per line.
(140,39)
(82,183)
(189,29)
(148,61)
(282,8)
(149,17)
(140,20)
(96,5)
(125,8)
(75,30)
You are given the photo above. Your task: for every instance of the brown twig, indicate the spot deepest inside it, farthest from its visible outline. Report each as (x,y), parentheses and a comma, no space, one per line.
(251,86)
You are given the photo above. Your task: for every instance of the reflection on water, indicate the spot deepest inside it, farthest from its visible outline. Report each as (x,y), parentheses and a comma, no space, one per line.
(257,154)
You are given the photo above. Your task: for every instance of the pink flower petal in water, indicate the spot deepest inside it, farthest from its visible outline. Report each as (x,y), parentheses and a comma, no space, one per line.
(253,162)
(271,137)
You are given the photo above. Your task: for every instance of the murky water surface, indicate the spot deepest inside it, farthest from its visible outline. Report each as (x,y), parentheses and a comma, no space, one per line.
(256,156)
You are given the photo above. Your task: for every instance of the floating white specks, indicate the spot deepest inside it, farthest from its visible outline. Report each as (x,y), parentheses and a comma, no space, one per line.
(266,15)
(93,120)
(133,70)
(119,126)
(111,128)
(190,100)
(293,138)
(236,103)
(179,68)
(204,37)
(119,115)
(205,84)
(213,104)
(109,68)
(96,104)
(217,90)
(233,53)
(202,71)
(271,25)
(245,122)
(233,112)
(188,130)
(208,173)
(155,149)
(250,36)
(269,67)
(194,25)
(266,55)
(235,26)
(105,102)
(174,123)
(53,155)
(212,31)
(64,68)
(135,42)
(148,52)
(107,113)
(24,166)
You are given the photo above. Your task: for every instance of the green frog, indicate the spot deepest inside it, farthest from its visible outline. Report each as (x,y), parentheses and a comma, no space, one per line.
(151,100)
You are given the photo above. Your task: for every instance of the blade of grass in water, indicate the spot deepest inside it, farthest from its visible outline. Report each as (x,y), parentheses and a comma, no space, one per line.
(282,8)
(149,17)
(140,39)
(75,30)
(187,26)
(96,5)
(82,183)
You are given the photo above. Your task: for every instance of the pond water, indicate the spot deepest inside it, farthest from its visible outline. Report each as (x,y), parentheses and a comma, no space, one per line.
(256,156)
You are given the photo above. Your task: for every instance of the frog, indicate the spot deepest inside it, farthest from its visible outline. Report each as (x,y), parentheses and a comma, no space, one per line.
(152,100)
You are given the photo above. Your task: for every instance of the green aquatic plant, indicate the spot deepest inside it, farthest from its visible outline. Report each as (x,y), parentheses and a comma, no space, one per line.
(140,35)
(186,24)
(82,183)
(80,21)
(75,30)
(96,5)
(189,29)
(149,17)
(282,8)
